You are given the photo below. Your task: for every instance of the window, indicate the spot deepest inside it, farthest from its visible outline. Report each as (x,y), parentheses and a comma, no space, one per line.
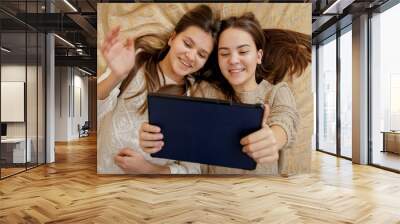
(327,96)
(385,85)
(346,93)
(22,65)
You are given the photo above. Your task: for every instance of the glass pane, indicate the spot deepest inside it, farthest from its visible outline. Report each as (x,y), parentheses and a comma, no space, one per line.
(386,89)
(41,98)
(346,94)
(23,82)
(327,96)
(13,86)
(314,90)
(31,97)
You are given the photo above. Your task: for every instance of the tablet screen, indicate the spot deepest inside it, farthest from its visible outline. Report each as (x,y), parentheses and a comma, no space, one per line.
(204,131)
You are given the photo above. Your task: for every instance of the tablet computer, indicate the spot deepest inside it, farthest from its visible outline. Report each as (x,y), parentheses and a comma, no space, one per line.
(206,131)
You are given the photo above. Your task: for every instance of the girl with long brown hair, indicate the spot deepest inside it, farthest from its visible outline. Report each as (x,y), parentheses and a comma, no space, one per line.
(135,68)
(250,61)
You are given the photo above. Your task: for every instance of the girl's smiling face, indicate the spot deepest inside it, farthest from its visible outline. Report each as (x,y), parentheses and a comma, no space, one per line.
(238,58)
(189,51)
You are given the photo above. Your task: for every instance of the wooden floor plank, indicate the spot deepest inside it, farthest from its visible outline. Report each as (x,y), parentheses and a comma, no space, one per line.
(70,191)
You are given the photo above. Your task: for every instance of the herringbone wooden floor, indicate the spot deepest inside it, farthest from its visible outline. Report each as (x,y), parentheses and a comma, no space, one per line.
(70,191)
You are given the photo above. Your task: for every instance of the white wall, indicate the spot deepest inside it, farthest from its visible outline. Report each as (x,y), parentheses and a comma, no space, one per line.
(61,103)
(13,73)
(17,73)
(70,83)
(79,112)
(12,101)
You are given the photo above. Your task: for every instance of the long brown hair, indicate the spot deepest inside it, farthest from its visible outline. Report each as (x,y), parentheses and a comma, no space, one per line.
(149,56)
(285,52)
